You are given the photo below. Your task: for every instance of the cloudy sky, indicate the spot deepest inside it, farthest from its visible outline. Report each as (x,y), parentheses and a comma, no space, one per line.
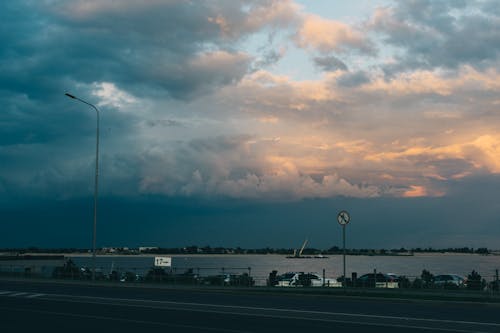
(251,123)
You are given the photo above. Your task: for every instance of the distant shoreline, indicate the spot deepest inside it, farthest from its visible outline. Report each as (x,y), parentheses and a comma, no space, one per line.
(151,255)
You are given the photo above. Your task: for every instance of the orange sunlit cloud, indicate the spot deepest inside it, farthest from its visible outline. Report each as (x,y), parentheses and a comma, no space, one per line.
(336,102)
(415,191)
(435,81)
(328,35)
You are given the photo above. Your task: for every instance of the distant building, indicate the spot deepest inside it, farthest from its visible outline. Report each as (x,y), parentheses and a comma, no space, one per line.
(115,250)
(147,248)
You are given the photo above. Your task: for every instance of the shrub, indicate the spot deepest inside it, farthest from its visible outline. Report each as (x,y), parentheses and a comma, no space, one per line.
(68,271)
(404,282)
(273,279)
(474,281)
(427,279)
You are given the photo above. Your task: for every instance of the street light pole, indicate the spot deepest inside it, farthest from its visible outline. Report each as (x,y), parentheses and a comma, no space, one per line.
(95,180)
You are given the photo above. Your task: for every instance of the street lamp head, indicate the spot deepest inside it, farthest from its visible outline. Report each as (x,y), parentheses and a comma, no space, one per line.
(70,96)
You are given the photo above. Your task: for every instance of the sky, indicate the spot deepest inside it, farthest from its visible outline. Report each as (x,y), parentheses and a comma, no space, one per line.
(250,123)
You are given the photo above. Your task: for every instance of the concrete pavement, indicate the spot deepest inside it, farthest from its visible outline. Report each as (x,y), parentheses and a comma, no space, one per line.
(26,306)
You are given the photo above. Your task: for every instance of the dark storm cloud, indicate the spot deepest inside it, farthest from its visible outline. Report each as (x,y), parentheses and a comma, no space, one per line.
(491,6)
(159,48)
(164,123)
(330,63)
(218,144)
(456,221)
(201,166)
(47,146)
(174,47)
(185,117)
(440,34)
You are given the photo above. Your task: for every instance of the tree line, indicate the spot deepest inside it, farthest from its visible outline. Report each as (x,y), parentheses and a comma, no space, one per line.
(267,250)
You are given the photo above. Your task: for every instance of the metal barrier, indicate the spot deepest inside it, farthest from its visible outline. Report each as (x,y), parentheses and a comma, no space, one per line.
(239,277)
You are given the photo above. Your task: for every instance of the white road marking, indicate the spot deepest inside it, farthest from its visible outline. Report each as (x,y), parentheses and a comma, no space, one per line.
(13,293)
(278,313)
(17,294)
(359,315)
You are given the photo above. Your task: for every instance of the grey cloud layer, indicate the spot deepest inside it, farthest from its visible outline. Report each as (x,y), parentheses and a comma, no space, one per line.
(330,63)
(158,48)
(232,128)
(440,33)
(171,47)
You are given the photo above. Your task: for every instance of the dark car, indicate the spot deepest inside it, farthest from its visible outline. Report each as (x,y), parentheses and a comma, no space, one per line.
(379,280)
(449,281)
(130,277)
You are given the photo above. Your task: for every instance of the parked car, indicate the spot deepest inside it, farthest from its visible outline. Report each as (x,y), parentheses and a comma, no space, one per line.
(130,277)
(451,281)
(379,280)
(239,280)
(289,279)
(301,279)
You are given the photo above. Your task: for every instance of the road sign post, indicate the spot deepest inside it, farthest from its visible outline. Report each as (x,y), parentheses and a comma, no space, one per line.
(343,219)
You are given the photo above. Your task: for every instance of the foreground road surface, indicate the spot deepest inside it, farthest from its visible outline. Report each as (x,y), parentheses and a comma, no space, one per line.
(52,307)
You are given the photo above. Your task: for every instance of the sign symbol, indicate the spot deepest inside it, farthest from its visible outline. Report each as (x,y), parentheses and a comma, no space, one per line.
(343,218)
(163,261)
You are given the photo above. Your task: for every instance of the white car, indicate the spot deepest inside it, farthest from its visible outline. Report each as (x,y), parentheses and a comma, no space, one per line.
(301,279)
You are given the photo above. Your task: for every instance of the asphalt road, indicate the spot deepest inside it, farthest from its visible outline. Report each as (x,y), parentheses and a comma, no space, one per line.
(52,307)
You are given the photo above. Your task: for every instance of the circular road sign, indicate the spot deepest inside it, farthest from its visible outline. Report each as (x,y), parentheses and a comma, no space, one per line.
(343,218)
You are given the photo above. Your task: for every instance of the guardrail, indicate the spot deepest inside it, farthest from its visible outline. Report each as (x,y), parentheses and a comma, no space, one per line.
(233,276)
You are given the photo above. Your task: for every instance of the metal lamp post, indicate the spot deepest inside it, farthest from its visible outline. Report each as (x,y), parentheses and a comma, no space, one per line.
(95,181)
